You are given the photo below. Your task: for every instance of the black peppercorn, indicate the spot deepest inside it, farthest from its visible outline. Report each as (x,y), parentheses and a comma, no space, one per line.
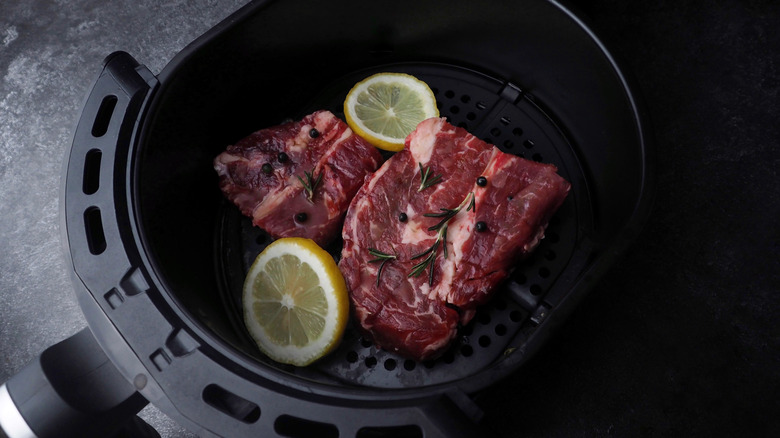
(267,169)
(482,181)
(314,133)
(301,217)
(282,157)
(402,217)
(480,226)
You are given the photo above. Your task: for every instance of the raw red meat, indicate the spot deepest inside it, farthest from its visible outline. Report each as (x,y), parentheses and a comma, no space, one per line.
(269,186)
(386,227)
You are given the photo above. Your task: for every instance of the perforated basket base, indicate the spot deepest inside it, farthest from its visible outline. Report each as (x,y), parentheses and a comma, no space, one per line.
(499,113)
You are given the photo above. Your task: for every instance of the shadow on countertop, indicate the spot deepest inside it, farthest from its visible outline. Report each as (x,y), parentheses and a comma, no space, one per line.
(681,337)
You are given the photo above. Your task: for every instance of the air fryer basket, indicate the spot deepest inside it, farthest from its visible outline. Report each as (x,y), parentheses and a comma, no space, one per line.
(160,256)
(502,114)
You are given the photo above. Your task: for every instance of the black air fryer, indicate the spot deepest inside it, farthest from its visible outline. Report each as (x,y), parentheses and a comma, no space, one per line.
(159,256)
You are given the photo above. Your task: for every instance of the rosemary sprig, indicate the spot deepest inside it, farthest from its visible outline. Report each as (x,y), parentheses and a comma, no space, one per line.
(310,184)
(448,213)
(430,253)
(425,178)
(380,257)
(441,237)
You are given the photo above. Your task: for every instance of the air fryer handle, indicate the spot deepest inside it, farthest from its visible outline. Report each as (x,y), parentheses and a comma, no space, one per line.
(71,390)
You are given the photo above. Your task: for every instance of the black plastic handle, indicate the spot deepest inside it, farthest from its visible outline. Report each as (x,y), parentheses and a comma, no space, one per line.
(71,390)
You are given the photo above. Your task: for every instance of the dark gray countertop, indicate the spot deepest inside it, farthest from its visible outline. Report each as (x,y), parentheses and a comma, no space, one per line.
(680,338)
(50,53)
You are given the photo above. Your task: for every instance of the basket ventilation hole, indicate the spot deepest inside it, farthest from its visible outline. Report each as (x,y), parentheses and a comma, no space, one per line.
(103,116)
(294,427)
(93,226)
(230,404)
(91,181)
(410,431)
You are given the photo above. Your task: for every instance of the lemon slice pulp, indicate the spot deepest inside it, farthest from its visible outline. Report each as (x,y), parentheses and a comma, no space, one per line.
(384,108)
(295,301)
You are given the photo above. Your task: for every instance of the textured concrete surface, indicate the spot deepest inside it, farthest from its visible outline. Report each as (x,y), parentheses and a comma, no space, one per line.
(50,52)
(679,339)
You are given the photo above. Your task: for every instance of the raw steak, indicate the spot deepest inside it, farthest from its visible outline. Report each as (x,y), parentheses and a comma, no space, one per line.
(269,186)
(386,227)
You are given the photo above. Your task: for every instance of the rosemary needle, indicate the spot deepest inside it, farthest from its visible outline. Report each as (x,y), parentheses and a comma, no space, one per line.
(425,178)
(380,257)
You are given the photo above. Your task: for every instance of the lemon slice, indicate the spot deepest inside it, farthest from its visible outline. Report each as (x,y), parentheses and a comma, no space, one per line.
(384,108)
(295,301)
